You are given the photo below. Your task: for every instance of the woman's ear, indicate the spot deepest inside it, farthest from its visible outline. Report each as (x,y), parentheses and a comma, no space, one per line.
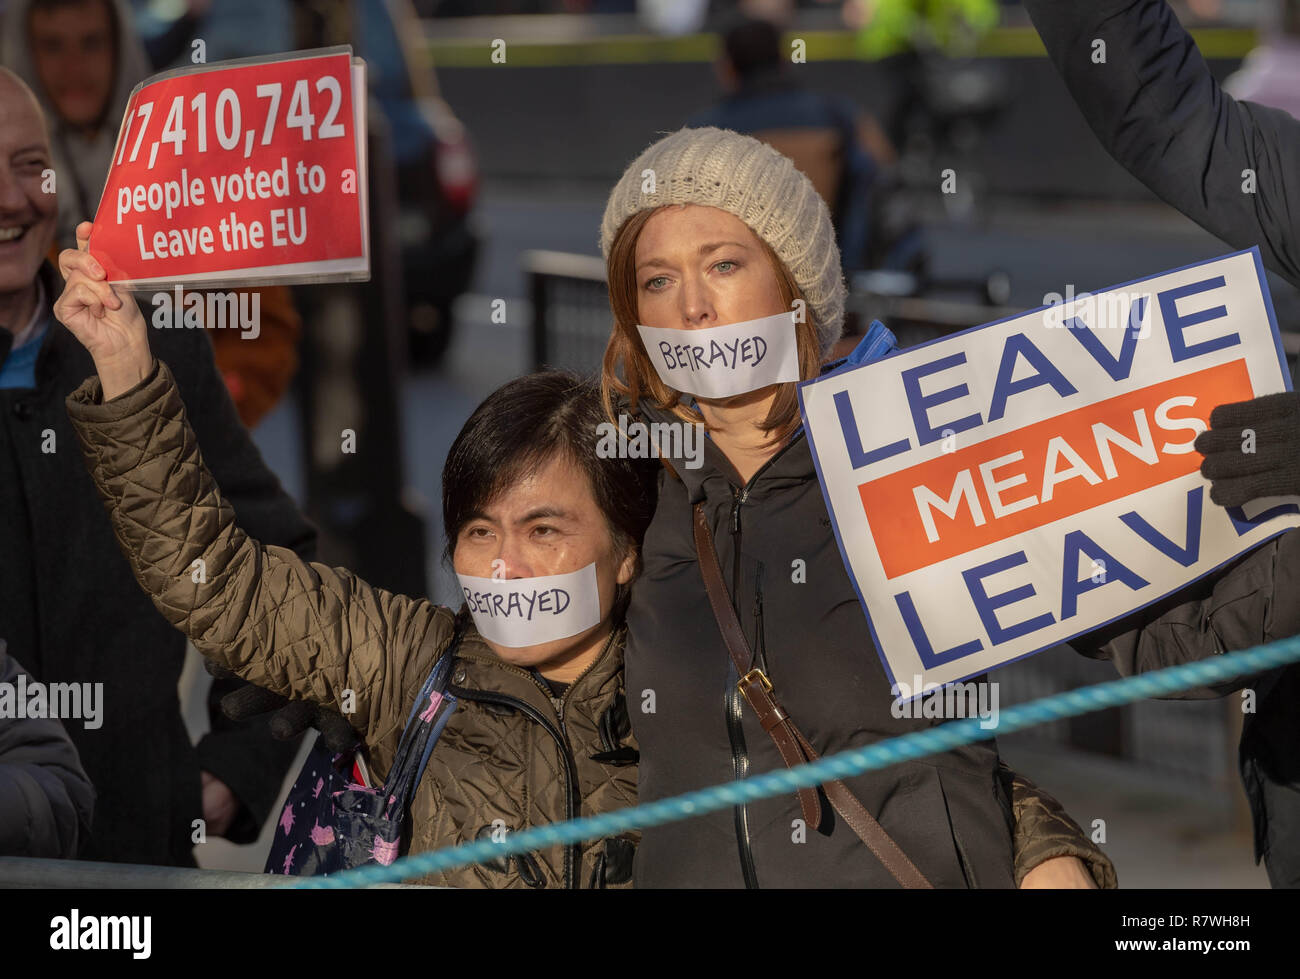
(627,569)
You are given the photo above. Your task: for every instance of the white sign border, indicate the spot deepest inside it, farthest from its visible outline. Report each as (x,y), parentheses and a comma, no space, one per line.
(839,540)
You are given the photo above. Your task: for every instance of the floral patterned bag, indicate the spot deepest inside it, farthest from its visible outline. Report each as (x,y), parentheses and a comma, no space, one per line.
(330,822)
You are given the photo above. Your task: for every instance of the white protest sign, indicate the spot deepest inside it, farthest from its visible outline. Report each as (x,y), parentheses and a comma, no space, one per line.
(999,491)
(723,361)
(518,612)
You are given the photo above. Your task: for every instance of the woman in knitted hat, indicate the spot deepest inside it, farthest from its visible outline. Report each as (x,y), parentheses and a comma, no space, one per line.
(705,229)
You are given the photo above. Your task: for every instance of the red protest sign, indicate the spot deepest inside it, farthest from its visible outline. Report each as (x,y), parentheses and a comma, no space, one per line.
(243,171)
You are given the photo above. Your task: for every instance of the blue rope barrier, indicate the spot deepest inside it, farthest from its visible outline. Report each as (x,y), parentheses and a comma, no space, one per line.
(845,764)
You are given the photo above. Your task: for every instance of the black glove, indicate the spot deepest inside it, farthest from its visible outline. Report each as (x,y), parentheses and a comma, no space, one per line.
(1238,475)
(291,718)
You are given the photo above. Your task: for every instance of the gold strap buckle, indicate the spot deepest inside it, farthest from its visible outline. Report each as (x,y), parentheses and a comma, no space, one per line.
(749,678)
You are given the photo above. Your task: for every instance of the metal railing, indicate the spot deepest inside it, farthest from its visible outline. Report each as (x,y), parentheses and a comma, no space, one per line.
(571,318)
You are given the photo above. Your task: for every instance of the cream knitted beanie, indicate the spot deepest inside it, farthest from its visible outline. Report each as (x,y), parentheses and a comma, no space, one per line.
(750,179)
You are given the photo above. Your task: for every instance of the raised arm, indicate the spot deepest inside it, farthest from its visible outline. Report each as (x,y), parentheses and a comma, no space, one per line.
(1249,603)
(301,629)
(1159,112)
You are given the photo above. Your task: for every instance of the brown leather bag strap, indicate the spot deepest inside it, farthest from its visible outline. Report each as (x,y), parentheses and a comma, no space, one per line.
(870,832)
(774,720)
(793,746)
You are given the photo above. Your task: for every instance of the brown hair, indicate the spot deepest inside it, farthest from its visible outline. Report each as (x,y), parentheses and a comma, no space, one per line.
(626,371)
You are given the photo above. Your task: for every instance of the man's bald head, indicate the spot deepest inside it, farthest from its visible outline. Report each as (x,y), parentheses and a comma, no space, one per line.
(14,92)
(28,206)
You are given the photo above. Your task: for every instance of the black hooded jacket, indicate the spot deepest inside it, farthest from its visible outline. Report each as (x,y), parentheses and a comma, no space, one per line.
(948,813)
(1158,110)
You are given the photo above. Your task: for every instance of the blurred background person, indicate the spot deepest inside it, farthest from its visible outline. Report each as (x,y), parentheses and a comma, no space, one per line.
(1270,75)
(838,147)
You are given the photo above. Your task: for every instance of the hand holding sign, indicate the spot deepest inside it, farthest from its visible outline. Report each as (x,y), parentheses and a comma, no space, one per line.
(111,329)
(1250,449)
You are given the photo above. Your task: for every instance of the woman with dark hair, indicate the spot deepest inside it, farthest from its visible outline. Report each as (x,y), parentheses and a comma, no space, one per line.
(745,620)
(541,729)
(539,733)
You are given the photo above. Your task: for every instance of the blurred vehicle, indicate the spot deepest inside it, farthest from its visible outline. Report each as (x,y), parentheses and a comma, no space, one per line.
(436,172)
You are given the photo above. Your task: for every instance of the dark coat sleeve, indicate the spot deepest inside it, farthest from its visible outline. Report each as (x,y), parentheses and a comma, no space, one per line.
(247,758)
(46,799)
(243,755)
(1251,602)
(1044,831)
(1158,111)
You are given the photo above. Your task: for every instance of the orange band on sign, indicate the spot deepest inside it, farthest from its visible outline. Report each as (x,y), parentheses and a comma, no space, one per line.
(960,501)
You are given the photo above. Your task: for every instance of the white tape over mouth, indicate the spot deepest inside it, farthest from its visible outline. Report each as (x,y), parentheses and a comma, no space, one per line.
(724,361)
(517,612)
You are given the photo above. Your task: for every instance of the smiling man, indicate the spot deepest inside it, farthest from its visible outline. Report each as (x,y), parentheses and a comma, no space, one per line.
(27,217)
(69,608)
(83,58)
